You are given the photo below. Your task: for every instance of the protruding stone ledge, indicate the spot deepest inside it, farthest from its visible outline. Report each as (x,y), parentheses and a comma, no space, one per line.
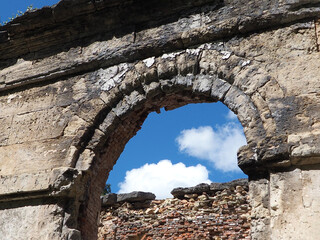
(137,197)
(279,153)
(133,197)
(57,182)
(209,188)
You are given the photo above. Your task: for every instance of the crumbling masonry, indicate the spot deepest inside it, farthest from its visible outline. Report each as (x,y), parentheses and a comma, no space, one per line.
(215,212)
(78,79)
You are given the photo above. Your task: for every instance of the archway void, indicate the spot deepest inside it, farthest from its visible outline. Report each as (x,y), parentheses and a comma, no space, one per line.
(192,144)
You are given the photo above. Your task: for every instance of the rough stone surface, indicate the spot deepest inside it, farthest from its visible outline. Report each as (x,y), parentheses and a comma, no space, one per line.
(209,188)
(45,220)
(135,197)
(77,81)
(112,198)
(109,199)
(294,201)
(216,215)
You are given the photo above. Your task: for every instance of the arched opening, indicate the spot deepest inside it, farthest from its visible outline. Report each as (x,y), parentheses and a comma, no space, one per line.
(147,89)
(116,142)
(173,150)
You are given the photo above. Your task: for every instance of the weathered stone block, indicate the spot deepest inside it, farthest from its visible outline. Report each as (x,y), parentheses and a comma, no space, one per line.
(135,197)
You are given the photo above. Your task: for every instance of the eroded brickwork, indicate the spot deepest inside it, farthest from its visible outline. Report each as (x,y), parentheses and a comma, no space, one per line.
(220,215)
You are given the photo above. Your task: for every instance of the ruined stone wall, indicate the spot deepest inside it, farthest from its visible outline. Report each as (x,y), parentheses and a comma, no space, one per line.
(223,212)
(77,81)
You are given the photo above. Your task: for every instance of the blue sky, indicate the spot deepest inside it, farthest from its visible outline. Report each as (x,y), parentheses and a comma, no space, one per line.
(204,137)
(9,8)
(189,145)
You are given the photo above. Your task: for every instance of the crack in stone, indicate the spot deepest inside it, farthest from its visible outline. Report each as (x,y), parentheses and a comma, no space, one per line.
(317,33)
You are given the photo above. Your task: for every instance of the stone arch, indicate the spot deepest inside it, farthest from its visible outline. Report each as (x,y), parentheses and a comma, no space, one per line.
(135,90)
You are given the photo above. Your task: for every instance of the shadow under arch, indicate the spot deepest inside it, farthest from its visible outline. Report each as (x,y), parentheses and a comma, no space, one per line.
(146,89)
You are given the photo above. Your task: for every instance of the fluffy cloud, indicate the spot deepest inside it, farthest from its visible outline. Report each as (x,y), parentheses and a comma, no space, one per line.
(219,147)
(162,177)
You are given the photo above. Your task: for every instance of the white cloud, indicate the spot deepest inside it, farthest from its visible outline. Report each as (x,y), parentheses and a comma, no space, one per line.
(231,116)
(219,147)
(162,177)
